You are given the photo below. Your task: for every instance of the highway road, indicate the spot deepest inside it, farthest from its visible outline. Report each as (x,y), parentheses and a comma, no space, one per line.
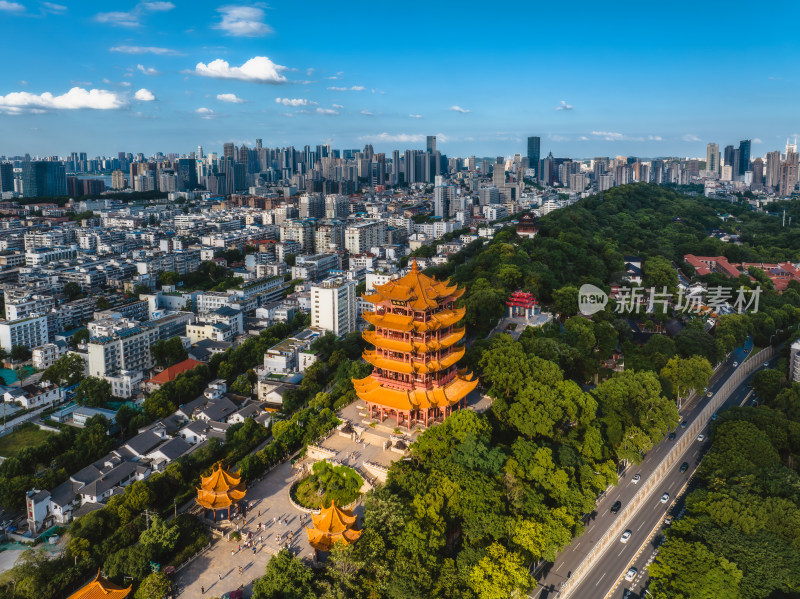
(651,520)
(603,577)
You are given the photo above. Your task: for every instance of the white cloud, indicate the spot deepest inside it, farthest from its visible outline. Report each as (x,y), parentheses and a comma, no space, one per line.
(144,50)
(564,106)
(326,111)
(611,135)
(144,95)
(75,98)
(146,70)
(367,113)
(260,69)
(583,138)
(292,101)
(415,116)
(457,108)
(11,6)
(206,113)
(309,72)
(354,88)
(690,137)
(54,7)
(337,105)
(756,140)
(125,84)
(230,98)
(655,138)
(133,18)
(556,137)
(398,137)
(243,21)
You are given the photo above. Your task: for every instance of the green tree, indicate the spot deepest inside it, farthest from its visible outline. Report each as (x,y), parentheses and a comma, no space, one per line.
(160,537)
(102,303)
(566,301)
(686,375)
(500,574)
(68,370)
(659,273)
(290,260)
(72,290)
(286,577)
(20,353)
(168,352)
(155,586)
(80,336)
(767,384)
(684,570)
(242,385)
(93,391)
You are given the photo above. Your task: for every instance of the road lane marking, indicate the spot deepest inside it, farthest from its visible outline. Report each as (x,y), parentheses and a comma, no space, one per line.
(601,579)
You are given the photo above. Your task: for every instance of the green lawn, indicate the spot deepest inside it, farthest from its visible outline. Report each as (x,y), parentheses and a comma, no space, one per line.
(24,436)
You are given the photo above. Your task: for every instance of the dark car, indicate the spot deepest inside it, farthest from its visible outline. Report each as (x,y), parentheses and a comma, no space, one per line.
(616,506)
(684,466)
(684,424)
(672,436)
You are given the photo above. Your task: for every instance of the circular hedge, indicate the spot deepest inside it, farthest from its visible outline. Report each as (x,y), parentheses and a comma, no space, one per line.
(327,483)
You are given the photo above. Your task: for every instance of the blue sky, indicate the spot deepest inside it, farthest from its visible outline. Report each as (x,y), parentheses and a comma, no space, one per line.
(590,78)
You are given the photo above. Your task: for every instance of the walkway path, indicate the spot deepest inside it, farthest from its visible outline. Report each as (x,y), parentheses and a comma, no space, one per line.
(217,570)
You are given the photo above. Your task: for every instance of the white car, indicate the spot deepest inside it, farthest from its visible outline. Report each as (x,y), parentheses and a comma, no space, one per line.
(636,478)
(765,364)
(665,498)
(631,574)
(701,437)
(625,536)
(735,364)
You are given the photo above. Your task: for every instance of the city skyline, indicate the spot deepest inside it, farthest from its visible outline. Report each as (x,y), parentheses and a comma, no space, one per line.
(163,76)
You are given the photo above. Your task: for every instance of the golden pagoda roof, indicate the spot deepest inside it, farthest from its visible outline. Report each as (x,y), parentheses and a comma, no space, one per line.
(420,347)
(405,323)
(332,525)
(100,588)
(380,361)
(372,391)
(220,489)
(419,291)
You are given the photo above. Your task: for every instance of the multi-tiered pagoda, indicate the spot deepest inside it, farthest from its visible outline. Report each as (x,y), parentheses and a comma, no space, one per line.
(332,525)
(222,490)
(416,340)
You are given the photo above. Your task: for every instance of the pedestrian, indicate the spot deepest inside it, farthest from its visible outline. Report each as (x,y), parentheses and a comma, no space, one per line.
(232,552)
(259,513)
(202,590)
(254,549)
(220,577)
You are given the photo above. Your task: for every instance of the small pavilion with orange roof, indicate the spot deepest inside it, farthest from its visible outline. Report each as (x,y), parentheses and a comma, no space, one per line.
(332,525)
(221,490)
(417,346)
(100,588)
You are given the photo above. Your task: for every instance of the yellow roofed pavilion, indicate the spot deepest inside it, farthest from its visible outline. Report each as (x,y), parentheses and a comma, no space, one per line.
(100,588)
(332,525)
(417,345)
(220,490)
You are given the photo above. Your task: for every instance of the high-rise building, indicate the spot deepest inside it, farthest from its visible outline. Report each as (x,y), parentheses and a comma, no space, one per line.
(43,178)
(430,144)
(789,174)
(499,174)
(187,174)
(773,169)
(443,197)
(6,176)
(758,174)
(534,144)
(333,305)
(744,157)
(228,150)
(117,180)
(712,158)
(728,156)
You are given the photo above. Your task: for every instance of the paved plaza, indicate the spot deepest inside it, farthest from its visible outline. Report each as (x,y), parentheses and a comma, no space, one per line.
(217,571)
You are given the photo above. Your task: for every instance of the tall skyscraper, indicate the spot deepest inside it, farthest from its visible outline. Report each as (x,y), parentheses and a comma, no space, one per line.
(744,157)
(789,174)
(6,176)
(534,149)
(430,145)
(758,174)
(728,156)
(43,178)
(712,158)
(773,168)
(227,150)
